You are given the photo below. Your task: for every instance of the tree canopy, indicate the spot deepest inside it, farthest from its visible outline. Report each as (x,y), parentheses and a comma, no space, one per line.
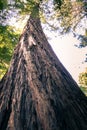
(68,12)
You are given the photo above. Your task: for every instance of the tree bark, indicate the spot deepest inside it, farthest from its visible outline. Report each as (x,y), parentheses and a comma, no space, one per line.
(37,92)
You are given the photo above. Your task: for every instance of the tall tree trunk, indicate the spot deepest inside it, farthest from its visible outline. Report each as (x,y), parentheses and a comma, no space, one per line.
(37,92)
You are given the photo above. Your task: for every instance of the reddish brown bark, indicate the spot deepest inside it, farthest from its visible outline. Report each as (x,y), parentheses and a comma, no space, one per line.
(37,92)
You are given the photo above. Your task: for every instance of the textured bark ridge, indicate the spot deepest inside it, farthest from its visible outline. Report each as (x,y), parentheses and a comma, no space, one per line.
(37,93)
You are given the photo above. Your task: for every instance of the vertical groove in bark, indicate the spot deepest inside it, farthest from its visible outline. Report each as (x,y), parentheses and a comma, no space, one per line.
(37,92)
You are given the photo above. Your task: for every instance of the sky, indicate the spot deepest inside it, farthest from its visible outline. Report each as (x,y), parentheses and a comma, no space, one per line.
(71,56)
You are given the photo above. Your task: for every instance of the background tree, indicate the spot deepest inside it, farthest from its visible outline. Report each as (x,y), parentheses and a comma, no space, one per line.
(83,78)
(8,40)
(83,81)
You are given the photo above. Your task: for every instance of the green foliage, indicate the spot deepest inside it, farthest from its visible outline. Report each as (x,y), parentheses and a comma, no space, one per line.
(84,89)
(8,40)
(26,7)
(83,78)
(83,39)
(70,14)
(3,4)
(58,4)
(83,81)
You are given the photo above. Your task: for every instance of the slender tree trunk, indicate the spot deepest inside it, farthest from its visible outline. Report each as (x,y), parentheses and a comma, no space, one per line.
(37,92)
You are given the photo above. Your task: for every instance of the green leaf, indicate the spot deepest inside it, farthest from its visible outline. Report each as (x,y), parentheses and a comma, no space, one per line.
(8,40)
